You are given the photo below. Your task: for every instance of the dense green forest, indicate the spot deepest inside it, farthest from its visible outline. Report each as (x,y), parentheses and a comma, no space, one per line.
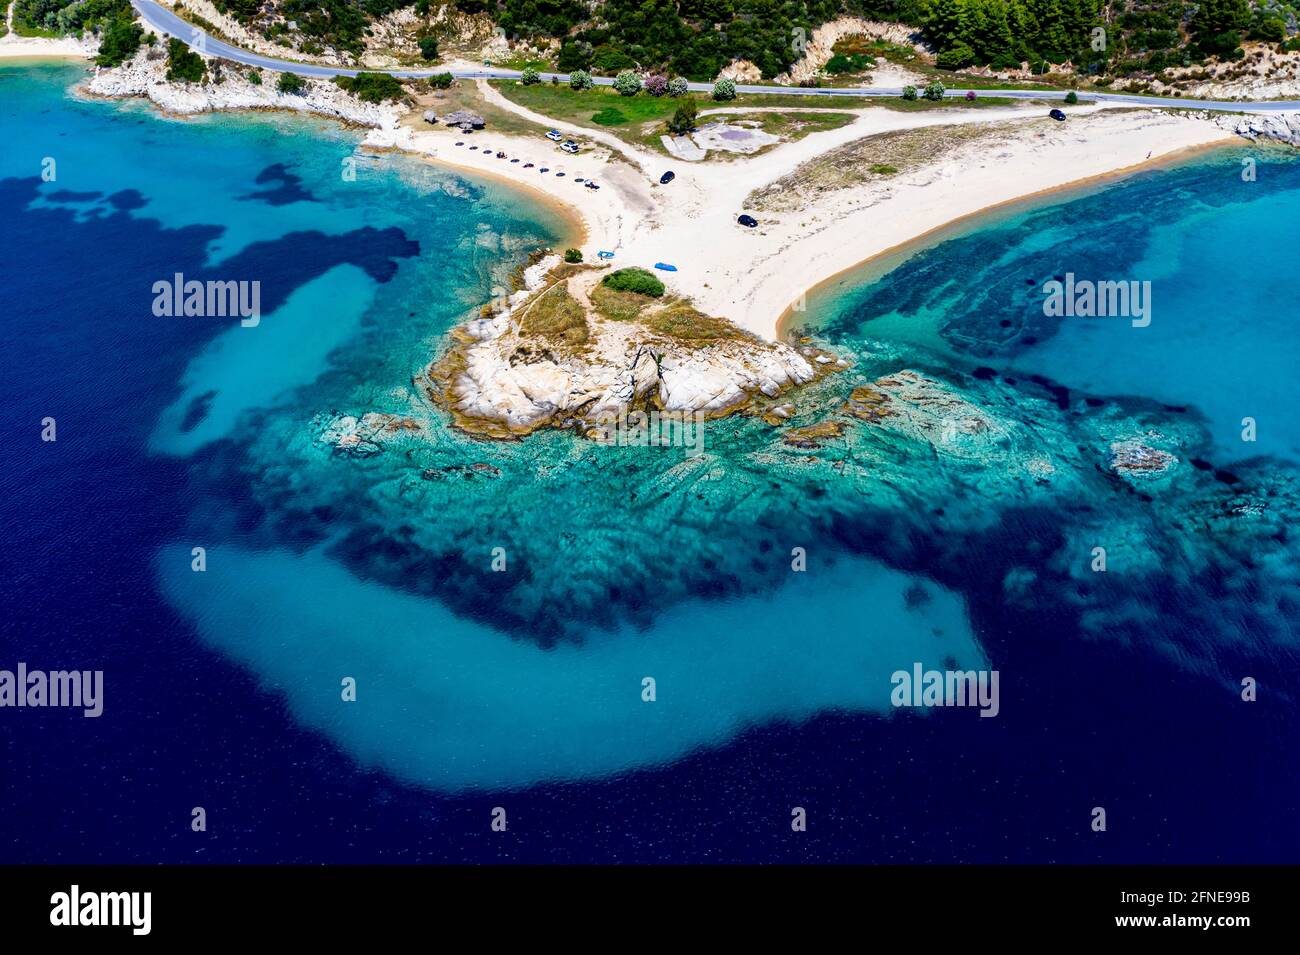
(697,38)
(66,17)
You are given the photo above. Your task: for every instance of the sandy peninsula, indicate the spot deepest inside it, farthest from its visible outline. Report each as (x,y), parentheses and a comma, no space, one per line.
(816,217)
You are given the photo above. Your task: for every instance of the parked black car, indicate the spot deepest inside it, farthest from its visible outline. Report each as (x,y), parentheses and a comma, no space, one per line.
(667,177)
(1057,115)
(747,220)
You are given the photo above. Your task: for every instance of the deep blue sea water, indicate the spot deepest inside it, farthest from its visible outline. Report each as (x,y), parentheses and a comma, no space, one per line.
(522,689)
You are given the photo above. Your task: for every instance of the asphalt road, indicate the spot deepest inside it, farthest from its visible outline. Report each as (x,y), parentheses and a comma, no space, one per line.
(166,22)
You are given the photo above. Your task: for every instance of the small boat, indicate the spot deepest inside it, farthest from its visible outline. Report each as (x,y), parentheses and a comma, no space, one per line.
(514,160)
(528,165)
(461,143)
(559,174)
(543,169)
(578,179)
(664,266)
(602,254)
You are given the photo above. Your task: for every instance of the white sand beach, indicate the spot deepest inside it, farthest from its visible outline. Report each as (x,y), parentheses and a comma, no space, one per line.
(752,276)
(819,212)
(15,47)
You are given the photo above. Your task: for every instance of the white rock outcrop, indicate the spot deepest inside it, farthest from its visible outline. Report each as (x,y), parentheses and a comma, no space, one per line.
(1279,127)
(497,378)
(146,75)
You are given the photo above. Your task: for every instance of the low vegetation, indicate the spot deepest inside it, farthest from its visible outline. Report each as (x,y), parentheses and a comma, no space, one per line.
(673,318)
(683,321)
(619,306)
(642,119)
(121,38)
(634,280)
(874,157)
(556,316)
(291,83)
(372,87)
(183,64)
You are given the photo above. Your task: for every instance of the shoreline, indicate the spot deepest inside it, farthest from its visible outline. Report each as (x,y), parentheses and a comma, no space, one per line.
(25,58)
(16,48)
(755,279)
(879,264)
(576,231)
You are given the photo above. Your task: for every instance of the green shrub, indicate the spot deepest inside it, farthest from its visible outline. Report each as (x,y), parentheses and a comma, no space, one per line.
(428,48)
(120,40)
(255,77)
(573,56)
(573,255)
(627,83)
(724,89)
(1071,98)
(607,59)
(634,280)
(1270,29)
(529,76)
(934,91)
(848,63)
(909,93)
(184,64)
(581,80)
(441,81)
(955,57)
(371,87)
(683,120)
(291,83)
(677,86)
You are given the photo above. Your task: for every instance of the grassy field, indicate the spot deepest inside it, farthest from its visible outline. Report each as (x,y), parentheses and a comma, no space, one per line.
(640,120)
(554,315)
(951,102)
(582,106)
(672,317)
(463,94)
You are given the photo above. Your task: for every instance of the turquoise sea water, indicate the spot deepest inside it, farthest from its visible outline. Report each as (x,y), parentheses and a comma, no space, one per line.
(962,549)
(1221,336)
